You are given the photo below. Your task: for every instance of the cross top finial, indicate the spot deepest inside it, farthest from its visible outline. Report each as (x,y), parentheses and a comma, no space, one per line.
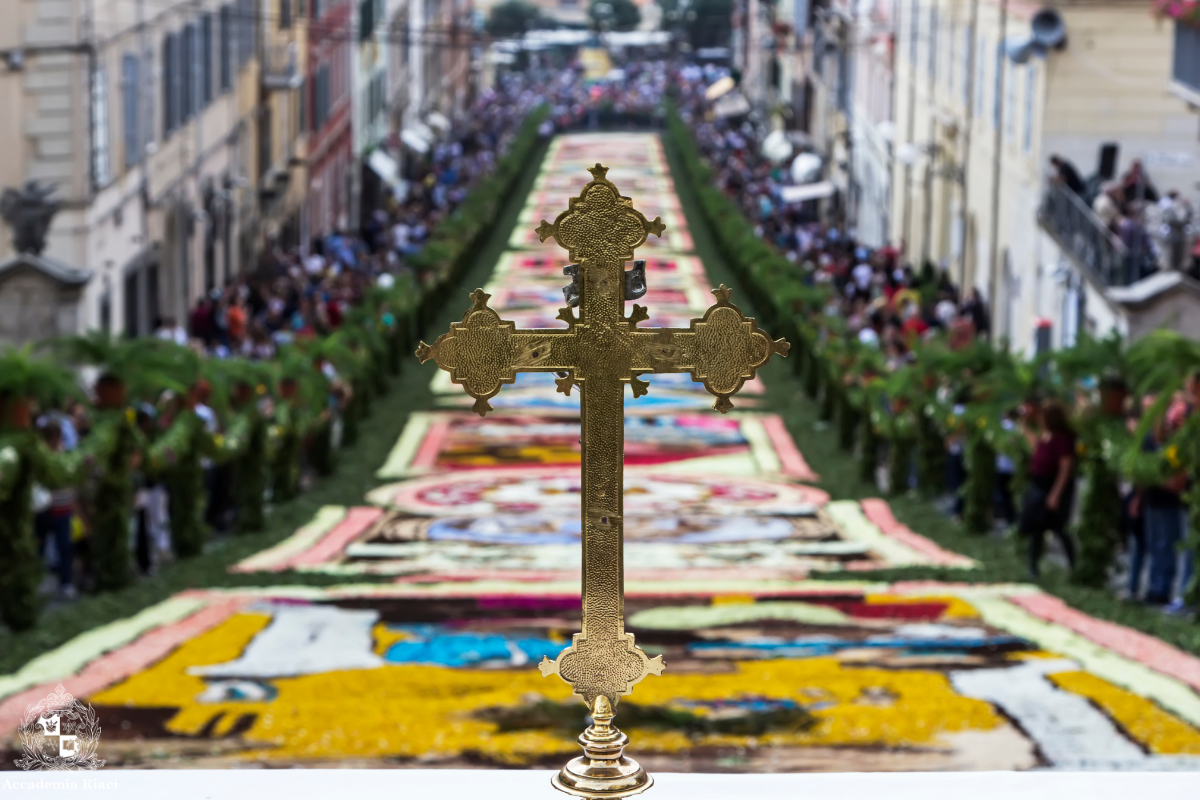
(600,224)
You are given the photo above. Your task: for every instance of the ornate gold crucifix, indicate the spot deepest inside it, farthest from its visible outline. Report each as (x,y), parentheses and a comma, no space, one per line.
(601,350)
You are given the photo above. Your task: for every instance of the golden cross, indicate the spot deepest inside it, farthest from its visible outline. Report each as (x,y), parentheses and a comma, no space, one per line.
(600,350)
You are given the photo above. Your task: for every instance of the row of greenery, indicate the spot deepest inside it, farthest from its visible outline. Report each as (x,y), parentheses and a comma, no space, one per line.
(271,411)
(907,416)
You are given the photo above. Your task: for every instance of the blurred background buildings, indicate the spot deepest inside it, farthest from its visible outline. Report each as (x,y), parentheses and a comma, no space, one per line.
(184,138)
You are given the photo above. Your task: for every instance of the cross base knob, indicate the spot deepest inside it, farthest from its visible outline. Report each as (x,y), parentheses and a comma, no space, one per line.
(602,771)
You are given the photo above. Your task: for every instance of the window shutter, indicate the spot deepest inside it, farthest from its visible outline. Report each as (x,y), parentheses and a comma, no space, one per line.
(146,112)
(206,58)
(132,138)
(225,35)
(100,152)
(168,84)
(186,78)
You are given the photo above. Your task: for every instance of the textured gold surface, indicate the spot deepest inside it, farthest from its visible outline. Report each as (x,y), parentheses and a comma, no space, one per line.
(600,351)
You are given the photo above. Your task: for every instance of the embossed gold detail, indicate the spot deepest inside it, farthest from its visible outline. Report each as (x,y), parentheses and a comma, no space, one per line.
(601,350)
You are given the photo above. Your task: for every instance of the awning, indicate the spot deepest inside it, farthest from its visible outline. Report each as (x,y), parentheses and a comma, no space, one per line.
(721,87)
(776,146)
(383,165)
(733,104)
(807,191)
(413,139)
(806,167)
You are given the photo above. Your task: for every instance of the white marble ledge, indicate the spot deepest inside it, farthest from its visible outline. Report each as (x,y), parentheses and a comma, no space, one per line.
(322,784)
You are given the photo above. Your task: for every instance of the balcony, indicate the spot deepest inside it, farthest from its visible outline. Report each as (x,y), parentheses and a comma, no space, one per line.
(1084,238)
(281,67)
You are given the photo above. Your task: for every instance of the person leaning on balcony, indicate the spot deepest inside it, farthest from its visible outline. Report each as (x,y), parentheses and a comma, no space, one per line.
(1066,174)
(1136,186)
(1176,215)
(1107,205)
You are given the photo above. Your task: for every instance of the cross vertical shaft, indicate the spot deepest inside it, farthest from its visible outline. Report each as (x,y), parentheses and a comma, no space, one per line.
(602,474)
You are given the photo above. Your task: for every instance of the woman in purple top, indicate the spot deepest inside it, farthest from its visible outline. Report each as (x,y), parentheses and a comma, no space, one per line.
(1047,502)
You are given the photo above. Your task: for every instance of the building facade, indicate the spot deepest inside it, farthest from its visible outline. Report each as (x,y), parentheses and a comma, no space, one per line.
(850,111)
(329,90)
(980,110)
(168,173)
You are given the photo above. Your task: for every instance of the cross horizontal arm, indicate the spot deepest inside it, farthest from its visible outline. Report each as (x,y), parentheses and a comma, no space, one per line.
(723,349)
(484,352)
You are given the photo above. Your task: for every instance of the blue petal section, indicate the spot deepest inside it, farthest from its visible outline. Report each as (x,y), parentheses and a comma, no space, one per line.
(814,649)
(468,649)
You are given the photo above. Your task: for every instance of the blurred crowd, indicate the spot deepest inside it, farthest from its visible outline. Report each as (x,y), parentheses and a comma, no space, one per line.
(885,303)
(306,291)
(294,295)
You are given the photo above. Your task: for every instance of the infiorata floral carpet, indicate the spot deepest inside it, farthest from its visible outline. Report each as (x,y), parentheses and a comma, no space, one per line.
(472,539)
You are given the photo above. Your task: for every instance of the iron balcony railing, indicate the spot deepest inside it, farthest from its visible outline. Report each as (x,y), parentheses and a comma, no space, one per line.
(1084,237)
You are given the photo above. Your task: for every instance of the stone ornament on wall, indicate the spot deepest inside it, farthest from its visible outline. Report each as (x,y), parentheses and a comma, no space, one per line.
(39,295)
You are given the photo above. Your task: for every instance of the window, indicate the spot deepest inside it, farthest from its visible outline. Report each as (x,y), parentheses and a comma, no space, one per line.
(1010,101)
(226,44)
(366,19)
(265,149)
(188,72)
(314,9)
(170,83)
(402,33)
(247,31)
(980,75)
(948,63)
(997,81)
(1185,67)
(302,119)
(285,14)
(914,26)
(1030,91)
(146,116)
(321,98)
(205,60)
(131,131)
(101,168)
(967,43)
(933,32)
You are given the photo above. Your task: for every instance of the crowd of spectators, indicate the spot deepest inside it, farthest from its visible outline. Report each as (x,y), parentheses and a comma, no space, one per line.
(630,96)
(886,303)
(305,291)
(885,300)
(291,294)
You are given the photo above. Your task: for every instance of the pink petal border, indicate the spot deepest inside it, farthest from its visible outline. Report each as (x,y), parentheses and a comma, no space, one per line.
(1135,645)
(357,520)
(880,513)
(119,664)
(794,463)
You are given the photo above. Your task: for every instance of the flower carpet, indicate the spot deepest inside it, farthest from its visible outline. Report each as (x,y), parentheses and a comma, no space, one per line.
(771,676)
(466,556)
